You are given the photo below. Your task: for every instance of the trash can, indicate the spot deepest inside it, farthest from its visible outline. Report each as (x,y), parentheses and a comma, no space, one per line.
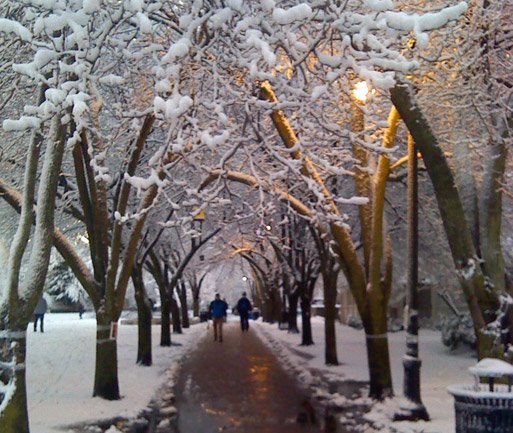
(485,407)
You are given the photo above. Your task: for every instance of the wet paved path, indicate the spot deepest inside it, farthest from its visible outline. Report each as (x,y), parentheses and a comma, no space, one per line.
(236,386)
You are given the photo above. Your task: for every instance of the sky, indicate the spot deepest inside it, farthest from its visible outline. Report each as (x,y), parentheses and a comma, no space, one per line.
(60,369)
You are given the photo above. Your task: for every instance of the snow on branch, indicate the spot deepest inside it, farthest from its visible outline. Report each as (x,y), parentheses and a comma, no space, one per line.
(9,26)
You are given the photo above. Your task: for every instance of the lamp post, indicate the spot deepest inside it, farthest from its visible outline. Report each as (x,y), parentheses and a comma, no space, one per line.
(413,409)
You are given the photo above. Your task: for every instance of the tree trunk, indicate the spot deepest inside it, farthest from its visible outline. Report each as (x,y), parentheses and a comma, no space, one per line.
(195,306)
(490,216)
(293,300)
(106,384)
(182,293)
(175,314)
(330,314)
(276,302)
(144,316)
(379,366)
(165,322)
(307,339)
(14,416)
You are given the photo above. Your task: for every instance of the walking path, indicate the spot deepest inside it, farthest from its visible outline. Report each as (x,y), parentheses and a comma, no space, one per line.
(237,386)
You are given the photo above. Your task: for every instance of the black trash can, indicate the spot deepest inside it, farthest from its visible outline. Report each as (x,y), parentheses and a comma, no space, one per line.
(485,407)
(482,411)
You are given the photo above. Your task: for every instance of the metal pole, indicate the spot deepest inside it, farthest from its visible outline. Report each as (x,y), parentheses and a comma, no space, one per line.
(413,409)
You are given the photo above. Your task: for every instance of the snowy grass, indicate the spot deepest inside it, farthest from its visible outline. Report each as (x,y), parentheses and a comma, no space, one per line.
(60,372)
(440,368)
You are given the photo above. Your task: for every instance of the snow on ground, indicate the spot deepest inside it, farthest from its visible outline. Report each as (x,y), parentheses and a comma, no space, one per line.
(60,371)
(440,368)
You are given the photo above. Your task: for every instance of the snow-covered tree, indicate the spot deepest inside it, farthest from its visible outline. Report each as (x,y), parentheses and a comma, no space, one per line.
(70,49)
(475,63)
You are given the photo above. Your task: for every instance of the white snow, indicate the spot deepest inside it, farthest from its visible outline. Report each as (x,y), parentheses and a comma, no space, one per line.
(60,371)
(111,80)
(440,368)
(296,13)
(428,21)
(177,50)
(173,107)
(91,6)
(24,122)
(9,26)
(489,367)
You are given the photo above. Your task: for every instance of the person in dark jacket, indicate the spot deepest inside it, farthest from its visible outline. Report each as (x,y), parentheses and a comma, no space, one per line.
(218,311)
(39,314)
(243,308)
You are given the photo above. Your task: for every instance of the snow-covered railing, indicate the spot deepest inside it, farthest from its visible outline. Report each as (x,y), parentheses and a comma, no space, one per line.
(485,407)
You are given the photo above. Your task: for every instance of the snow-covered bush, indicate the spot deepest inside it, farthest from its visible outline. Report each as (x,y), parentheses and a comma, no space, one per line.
(458,330)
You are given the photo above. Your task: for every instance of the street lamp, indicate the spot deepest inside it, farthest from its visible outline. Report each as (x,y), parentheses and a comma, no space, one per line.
(413,409)
(361,92)
(359,97)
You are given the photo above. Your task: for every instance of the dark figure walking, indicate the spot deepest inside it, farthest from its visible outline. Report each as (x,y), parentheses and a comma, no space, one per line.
(218,311)
(39,314)
(244,307)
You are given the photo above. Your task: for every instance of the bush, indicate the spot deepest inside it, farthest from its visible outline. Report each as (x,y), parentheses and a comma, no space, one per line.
(458,330)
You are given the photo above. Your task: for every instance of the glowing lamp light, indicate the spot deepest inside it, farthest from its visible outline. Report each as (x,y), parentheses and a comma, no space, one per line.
(244,278)
(361,91)
(268,227)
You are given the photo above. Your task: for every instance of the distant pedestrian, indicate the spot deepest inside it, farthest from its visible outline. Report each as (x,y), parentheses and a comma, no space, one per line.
(80,309)
(39,314)
(218,311)
(244,307)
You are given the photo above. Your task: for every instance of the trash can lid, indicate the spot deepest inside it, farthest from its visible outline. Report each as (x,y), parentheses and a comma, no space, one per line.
(490,367)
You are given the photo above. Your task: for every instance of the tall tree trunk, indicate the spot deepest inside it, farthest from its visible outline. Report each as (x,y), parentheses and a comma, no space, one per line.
(182,293)
(106,384)
(165,322)
(490,215)
(306,315)
(195,306)
(293,301)
(330,314)
(144,316)
(14,415)
(276,304)
(175,314)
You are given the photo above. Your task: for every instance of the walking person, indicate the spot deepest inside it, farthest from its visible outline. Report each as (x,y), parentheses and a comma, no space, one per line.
(39,314)
(244,307)
(218,312)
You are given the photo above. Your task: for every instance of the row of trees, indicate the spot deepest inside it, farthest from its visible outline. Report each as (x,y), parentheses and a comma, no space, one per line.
(148,113)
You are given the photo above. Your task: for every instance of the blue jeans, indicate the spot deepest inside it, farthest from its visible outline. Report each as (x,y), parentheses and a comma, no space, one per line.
(41,318)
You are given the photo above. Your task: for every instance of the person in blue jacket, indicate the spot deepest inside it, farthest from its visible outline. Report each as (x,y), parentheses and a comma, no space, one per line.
(218,312)
(243,308)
